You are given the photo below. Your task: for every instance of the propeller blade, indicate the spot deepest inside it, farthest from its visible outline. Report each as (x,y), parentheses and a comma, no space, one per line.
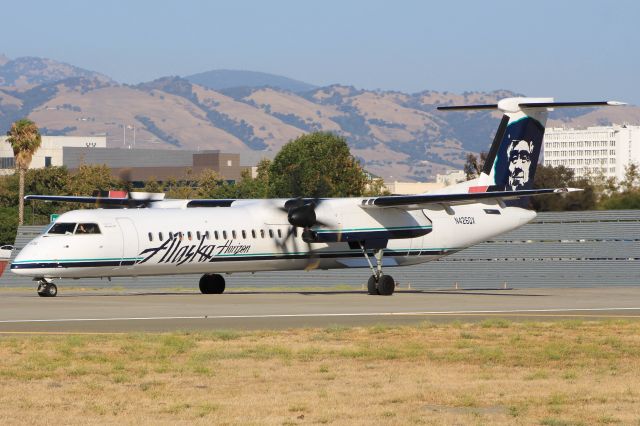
(313,265)
(282,244)
(313,260)
(293,203)
(139,201)
(125,177)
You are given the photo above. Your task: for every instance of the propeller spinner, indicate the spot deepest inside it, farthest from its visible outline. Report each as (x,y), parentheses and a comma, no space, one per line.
(301,213)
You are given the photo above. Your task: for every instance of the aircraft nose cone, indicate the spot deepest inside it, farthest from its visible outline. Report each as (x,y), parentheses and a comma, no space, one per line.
(18,263)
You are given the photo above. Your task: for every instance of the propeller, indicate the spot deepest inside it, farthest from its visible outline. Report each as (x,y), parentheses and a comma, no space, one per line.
(301,213)
(141,201)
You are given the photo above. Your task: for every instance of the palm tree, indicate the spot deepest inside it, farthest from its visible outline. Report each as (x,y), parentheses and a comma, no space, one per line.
(25,140)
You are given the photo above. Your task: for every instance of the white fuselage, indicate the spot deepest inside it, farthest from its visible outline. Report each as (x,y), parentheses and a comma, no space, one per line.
(253,235)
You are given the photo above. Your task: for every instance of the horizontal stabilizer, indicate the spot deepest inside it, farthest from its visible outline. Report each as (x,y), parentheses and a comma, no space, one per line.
(569,104)
(530,105)
(467,107)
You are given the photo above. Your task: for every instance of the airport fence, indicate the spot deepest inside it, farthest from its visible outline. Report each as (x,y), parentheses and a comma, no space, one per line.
(557,249)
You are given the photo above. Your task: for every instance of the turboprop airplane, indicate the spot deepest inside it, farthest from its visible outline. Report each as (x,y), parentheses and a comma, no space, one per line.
(157,236)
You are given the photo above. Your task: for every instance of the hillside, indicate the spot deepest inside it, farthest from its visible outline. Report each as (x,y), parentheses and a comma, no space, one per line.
(398,136)
(28,70)
(228,79)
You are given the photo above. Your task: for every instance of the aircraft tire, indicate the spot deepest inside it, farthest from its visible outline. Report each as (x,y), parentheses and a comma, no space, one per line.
(386,285)
(218,284)
(212,284)
(51,290)
(41,289)
(372,286)
(47,290)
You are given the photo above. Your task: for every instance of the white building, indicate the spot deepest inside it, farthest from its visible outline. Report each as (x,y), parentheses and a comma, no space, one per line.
(594,150)
(451,177)
(50,151)
(407,188)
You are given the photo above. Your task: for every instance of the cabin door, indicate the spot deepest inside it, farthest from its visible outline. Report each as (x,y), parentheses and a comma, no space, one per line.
(129,242)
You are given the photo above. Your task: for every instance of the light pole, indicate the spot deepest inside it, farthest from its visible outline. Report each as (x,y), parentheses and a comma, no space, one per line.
(132,127)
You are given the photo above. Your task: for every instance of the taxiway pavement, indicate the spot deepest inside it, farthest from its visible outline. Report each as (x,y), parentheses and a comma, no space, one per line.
(79,312)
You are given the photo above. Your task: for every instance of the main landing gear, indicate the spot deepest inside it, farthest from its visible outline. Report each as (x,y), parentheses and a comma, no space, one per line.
(378,283)
(46,288)
(212,284)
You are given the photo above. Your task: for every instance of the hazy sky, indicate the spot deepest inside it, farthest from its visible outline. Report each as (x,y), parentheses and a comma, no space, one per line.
(567,49)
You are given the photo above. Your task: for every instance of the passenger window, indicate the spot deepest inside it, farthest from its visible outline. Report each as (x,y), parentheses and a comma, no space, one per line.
(87,228)
(224,235)
(160,237)
(215,234)
(244,235)
(279,233)
(150,236)
(262,233)
(171,235)
(62,228)
(189,236)
(198,235)
(253,233)
(233,234)
(270,233)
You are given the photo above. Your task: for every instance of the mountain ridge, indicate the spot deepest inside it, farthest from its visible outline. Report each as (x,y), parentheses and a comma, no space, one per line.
(33,70)
(396,135)
(228,79)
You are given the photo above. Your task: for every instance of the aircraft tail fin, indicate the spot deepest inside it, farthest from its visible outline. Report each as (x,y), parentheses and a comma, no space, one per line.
(513,158)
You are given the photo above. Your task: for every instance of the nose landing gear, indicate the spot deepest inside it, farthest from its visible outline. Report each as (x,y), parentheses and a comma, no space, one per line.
(46,288)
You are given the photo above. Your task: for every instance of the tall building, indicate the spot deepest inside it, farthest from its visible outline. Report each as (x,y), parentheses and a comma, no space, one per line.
(594,150)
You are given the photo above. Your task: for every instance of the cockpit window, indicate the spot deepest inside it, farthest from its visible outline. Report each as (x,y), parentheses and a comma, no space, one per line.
(87,228)
(62,228)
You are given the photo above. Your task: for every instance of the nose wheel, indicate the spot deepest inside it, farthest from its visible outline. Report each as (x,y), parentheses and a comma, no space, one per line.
(47,289)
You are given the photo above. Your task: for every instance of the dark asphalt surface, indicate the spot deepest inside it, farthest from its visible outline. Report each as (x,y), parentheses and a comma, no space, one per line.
(23,311)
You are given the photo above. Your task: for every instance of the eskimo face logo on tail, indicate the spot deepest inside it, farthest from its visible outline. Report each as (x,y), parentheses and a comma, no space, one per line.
(517,156)
(520,153)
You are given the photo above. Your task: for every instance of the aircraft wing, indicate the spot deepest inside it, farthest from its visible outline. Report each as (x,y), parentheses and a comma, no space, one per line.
(409,202)
(78,199)
(414,202)
(131,202)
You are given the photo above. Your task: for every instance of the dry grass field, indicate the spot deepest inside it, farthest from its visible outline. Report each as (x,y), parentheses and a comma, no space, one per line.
(494,372)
